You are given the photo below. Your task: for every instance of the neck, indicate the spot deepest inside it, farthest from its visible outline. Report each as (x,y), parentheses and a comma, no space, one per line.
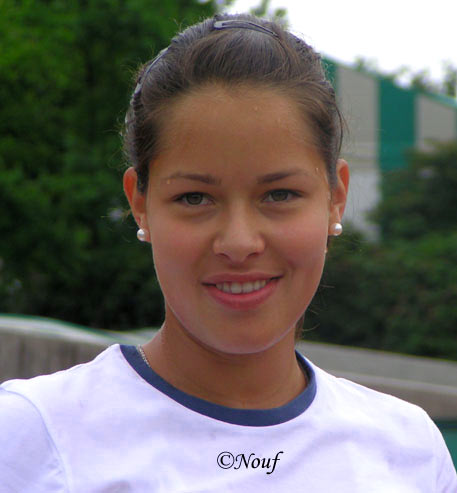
(262,380)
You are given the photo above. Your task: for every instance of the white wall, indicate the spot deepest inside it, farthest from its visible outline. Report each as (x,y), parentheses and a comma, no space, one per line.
(358,100)
(434,121)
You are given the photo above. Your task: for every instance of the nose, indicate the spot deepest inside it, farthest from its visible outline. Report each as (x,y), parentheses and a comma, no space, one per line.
(239,236)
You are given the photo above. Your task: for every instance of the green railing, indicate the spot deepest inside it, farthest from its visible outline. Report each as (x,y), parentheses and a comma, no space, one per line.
(449,431)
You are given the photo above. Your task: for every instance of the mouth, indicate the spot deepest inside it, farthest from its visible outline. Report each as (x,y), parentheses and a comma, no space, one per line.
(243,296)
(242,287)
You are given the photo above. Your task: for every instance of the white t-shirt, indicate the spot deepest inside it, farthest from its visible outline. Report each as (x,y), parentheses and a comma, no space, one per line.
(114,426)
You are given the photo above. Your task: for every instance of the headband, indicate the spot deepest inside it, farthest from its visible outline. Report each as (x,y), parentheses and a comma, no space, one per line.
(238,23)
(147,70)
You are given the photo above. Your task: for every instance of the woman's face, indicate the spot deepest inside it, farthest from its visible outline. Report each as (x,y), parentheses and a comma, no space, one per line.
(238,200)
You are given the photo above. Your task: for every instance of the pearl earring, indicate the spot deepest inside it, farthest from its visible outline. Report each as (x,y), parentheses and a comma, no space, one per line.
(141,234)
(336,229)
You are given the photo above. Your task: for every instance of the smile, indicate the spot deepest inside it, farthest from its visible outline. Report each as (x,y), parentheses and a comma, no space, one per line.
(242,296)
(245,287)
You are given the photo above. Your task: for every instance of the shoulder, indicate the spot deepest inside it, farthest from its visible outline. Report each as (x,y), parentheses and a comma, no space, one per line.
(58,397)
(40,418)
(29,460)
(398,428)
(347,395)
(72,382)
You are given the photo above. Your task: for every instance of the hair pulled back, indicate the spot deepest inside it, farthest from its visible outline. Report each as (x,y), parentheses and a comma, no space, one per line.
(202,55)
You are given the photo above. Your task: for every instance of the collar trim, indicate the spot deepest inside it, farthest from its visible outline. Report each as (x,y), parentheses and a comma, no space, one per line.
(243,417)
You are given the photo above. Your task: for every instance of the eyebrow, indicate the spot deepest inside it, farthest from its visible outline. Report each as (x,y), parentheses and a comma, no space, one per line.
(204,178)
(212,180)
(280,175)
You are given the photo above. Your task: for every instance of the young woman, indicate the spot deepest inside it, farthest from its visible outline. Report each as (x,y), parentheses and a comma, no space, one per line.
(233,135)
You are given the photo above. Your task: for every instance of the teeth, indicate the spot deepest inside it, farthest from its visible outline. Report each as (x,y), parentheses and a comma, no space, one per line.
(237,288)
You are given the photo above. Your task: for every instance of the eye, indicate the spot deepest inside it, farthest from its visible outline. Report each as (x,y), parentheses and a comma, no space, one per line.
(193,198)
(281,195)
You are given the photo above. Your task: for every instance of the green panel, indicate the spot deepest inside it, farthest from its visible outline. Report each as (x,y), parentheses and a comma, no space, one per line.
(396,124)
(331,69)
(449,431)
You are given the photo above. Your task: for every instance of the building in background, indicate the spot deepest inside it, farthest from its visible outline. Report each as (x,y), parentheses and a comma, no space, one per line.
(384,121)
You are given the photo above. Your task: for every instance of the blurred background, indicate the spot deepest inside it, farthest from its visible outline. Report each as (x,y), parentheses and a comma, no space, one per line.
(68,248)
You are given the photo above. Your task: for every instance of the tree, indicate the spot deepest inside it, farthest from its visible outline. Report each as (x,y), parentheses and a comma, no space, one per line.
(263,10)
(449,84)
(420,198)
(65,79)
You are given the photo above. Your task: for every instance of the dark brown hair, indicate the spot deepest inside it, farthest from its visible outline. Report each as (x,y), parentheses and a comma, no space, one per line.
(234,57)
(202,55)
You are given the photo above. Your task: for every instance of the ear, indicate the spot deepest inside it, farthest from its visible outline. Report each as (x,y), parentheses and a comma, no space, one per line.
(339,192)
(137,200)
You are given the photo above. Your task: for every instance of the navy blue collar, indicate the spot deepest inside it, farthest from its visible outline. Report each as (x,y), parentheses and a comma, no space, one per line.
(244,417)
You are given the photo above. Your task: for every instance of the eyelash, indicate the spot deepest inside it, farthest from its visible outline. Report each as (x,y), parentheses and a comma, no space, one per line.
(181,198)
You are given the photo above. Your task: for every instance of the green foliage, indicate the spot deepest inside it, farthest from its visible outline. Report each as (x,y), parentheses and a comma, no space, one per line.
(421,198)
(450,80)
(263,9)
(68,251)
(396,297)
(398,294)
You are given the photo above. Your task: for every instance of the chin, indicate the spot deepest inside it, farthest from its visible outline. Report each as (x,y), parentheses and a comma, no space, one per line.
(246,343)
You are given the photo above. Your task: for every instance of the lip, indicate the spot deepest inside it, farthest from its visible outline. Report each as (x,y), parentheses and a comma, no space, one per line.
(243,301)
(230,277)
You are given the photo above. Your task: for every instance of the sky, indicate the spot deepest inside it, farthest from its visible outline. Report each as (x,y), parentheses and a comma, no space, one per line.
(416,34)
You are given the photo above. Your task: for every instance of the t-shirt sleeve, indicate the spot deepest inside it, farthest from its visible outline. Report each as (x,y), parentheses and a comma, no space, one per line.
(446,481)
(29,460)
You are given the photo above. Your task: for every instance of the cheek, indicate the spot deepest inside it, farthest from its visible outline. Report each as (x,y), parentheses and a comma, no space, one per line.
(303,249)
(176,250)
(303,241)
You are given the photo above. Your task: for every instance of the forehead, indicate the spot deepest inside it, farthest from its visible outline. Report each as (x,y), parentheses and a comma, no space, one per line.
(254,128)
(244,106)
